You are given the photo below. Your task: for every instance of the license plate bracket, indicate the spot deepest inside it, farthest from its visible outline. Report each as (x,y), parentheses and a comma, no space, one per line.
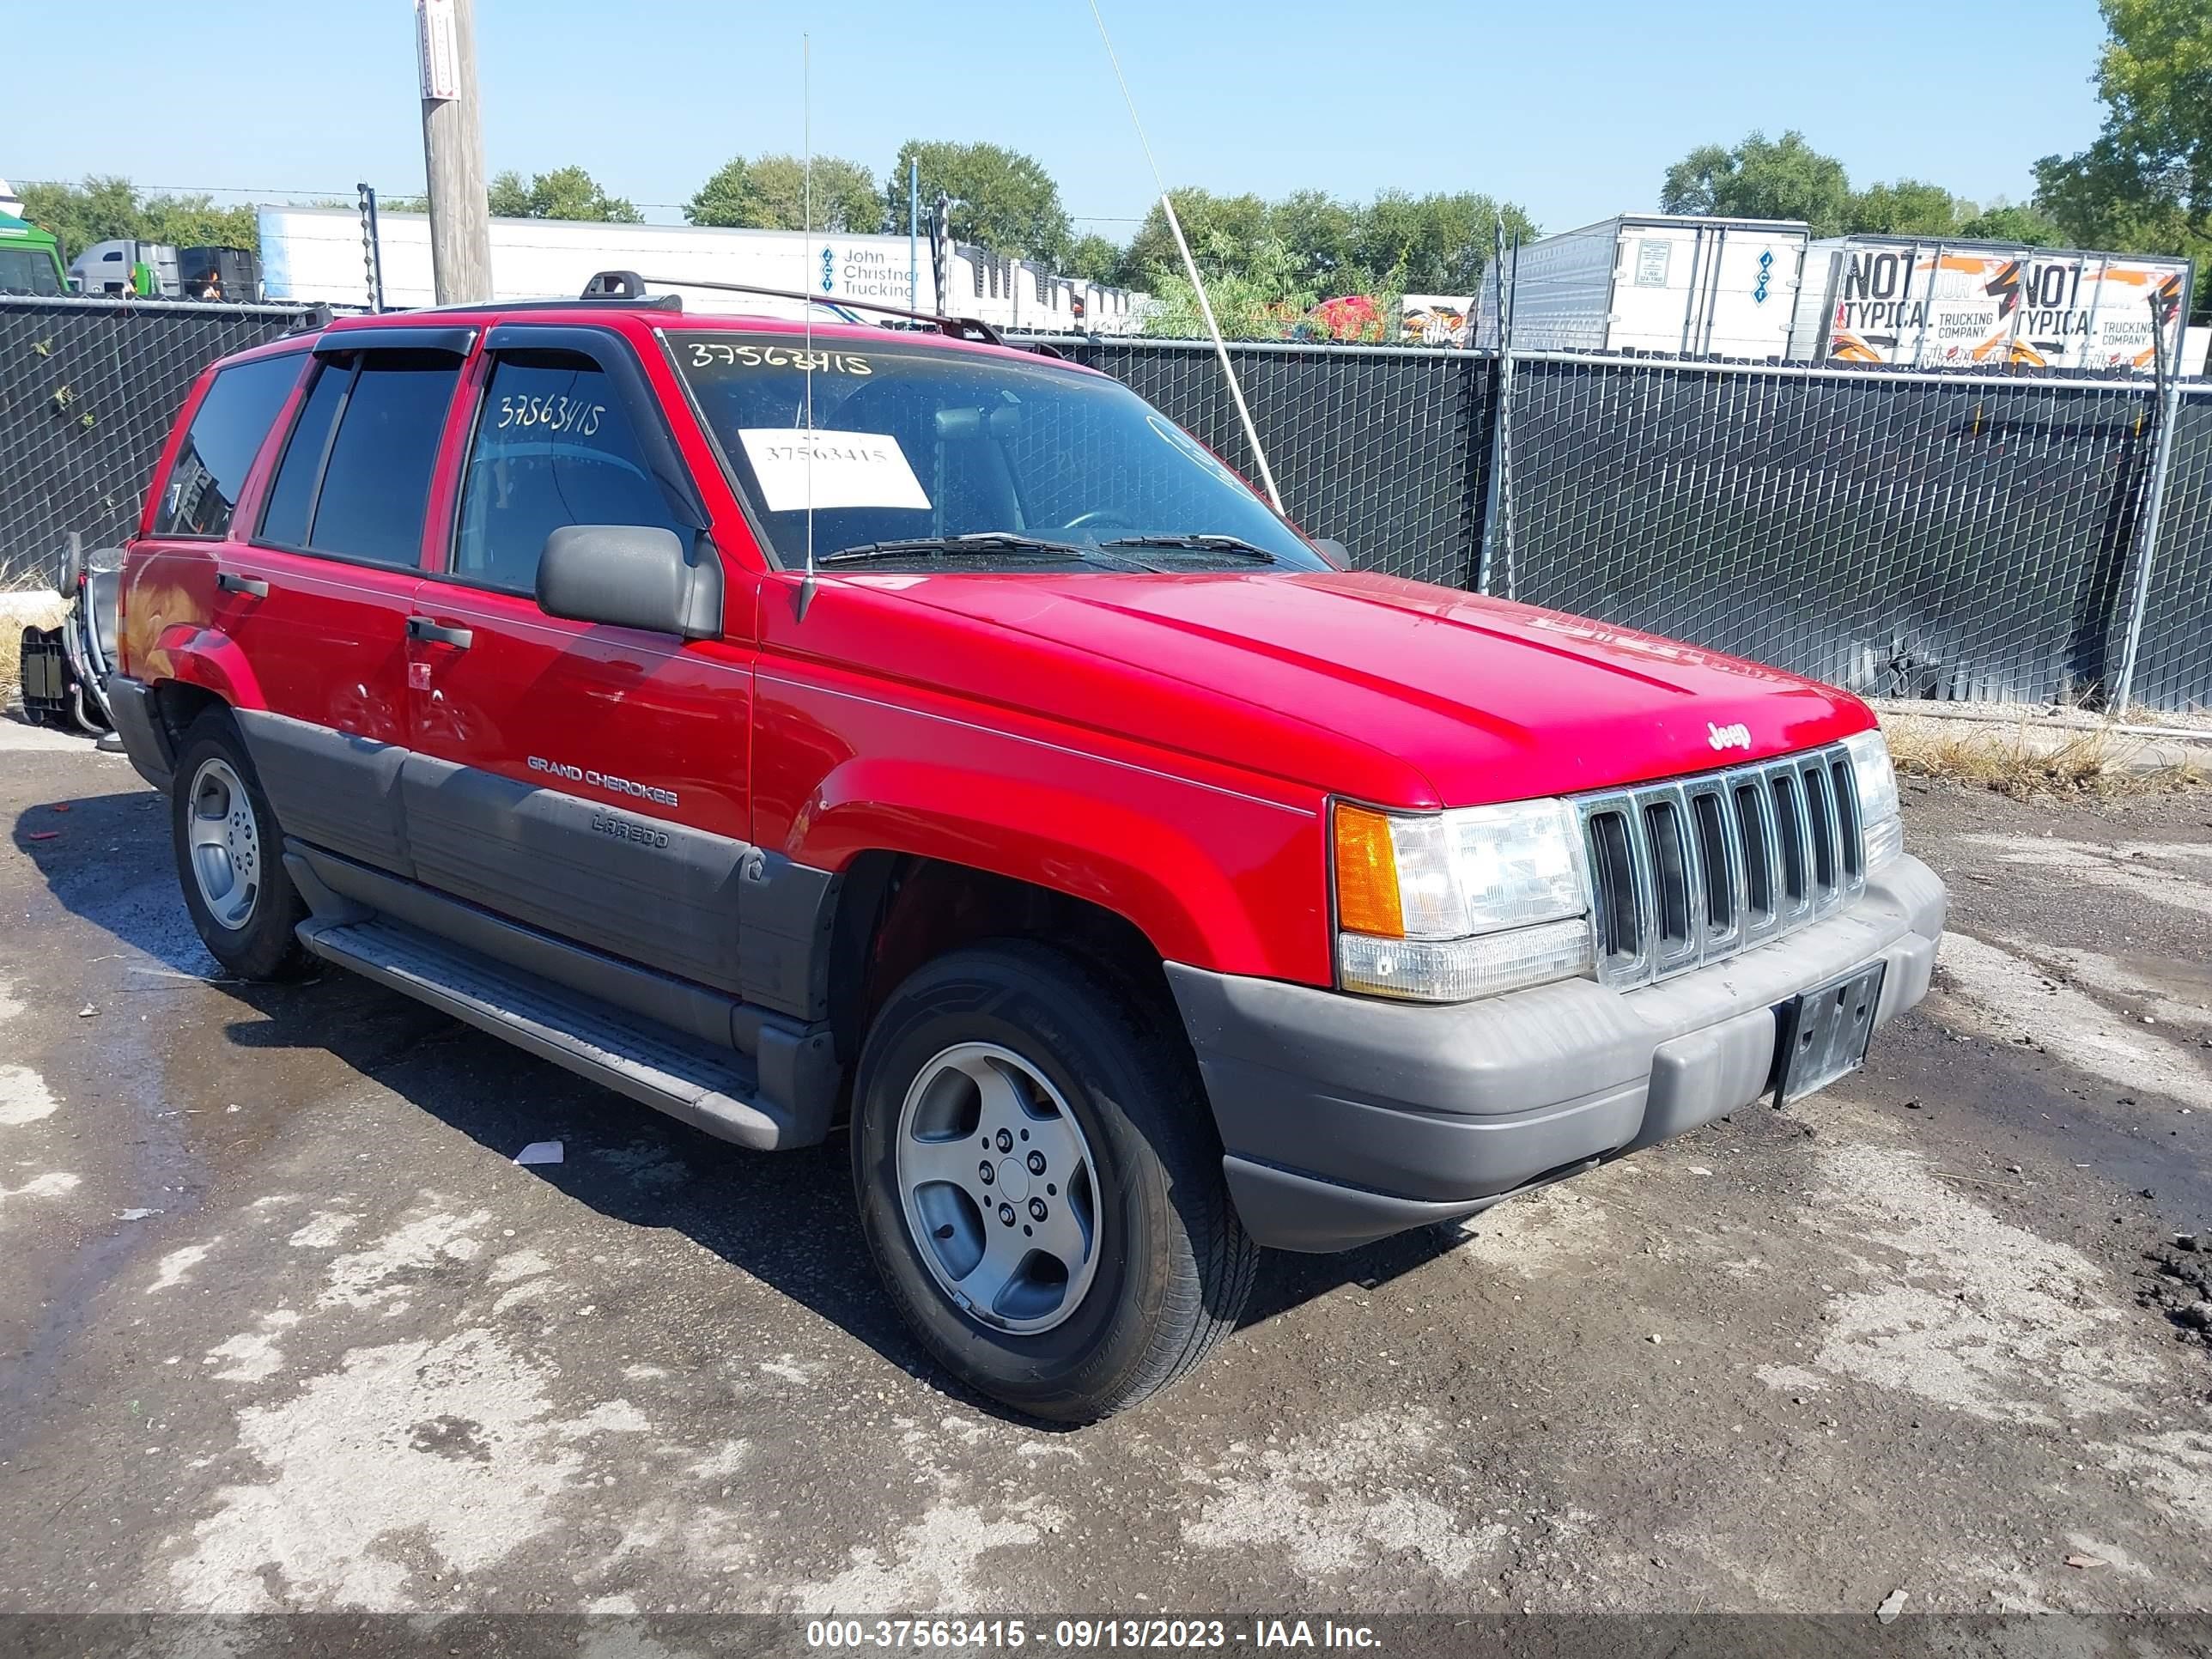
(1822,1033)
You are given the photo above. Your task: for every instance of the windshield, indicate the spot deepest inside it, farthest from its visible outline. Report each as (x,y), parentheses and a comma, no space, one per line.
(913,446)
(28,271)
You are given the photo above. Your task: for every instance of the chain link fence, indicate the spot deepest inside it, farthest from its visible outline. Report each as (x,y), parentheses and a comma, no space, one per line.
(88,389)
(2173,663)
(1383,449)
(1904,534)
(1909,536)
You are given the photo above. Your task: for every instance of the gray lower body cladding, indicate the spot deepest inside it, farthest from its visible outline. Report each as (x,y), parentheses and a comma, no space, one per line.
(1345,1119)
(544,858)
(330,788)
(737,1071)
(706,909)
(144,740)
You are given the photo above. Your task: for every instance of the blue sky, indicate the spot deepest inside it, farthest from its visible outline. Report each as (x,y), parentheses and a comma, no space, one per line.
(1573,111)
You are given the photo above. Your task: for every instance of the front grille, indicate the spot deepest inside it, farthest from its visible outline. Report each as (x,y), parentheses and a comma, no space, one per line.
(1689,872)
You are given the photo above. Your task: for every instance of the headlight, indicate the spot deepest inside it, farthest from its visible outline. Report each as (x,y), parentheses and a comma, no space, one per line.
(1881,823)
(1441,906)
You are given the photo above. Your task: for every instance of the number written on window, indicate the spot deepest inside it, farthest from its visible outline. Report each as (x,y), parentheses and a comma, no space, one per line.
(553,412)
(706,353)
(554,447)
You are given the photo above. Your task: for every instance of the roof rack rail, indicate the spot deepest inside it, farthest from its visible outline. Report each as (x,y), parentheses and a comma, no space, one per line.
(959,328)
(630,287)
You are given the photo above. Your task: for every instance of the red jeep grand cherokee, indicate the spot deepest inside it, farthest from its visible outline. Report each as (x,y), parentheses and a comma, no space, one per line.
(1139,887)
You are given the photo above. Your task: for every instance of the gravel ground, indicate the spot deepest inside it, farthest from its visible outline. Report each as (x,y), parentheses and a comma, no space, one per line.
(287,1329)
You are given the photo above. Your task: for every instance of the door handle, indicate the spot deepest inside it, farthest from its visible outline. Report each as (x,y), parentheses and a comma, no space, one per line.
(423,628)
(235,584)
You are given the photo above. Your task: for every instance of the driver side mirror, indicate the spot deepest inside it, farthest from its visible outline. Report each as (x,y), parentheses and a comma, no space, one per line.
(1338,554)
(629,575)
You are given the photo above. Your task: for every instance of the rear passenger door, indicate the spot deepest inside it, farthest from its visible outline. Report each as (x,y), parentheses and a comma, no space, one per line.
(321,595)
(589,781)
(169,580)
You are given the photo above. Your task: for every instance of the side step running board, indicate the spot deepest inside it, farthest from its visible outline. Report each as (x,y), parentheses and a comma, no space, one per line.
(712,1090)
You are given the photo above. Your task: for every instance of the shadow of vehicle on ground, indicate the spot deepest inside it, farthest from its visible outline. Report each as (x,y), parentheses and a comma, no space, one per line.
(788,1220)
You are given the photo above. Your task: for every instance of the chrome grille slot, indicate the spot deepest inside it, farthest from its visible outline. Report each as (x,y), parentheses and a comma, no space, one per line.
(1622,892)
(1754,830)
(1673,879)
(1720,862)
(1789,805)
(1851,839)
(1820,817)
(1697,870)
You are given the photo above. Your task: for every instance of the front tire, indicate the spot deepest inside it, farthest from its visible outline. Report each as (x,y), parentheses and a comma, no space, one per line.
(1040,1184)
(230,856)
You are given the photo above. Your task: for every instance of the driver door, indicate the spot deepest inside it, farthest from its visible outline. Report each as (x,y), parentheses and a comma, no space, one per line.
(585,779)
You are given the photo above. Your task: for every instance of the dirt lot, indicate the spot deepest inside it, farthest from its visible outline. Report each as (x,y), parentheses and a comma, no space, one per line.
(285,1326)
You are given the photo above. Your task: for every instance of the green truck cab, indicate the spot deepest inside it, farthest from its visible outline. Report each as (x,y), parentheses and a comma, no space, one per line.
(30,258)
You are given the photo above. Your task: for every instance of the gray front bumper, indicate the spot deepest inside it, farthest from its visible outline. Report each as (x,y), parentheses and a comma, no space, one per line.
(1345,1119)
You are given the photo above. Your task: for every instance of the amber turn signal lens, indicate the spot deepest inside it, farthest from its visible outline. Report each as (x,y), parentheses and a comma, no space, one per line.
(1366,875)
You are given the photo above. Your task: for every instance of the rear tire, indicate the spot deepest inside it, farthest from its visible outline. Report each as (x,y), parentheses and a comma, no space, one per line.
(1131,1262)
(230,860)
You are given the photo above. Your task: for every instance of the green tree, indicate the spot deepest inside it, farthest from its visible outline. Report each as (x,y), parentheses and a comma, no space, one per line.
(1907,207)
(1321,235)
(1761,178)
(1002,200)
(1224,232)
(105,207)
(567,192)
(1435,243)
(2028,226)
(1094,258)
(2144,185)
(770,194)
(1265,299)
(1264,262)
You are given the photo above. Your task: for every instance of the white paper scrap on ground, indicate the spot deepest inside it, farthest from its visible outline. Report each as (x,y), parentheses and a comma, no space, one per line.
(851,468)
(539,1151)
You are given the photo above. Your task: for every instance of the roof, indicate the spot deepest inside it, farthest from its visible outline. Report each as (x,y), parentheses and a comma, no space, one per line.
(1687,221)
(634,315)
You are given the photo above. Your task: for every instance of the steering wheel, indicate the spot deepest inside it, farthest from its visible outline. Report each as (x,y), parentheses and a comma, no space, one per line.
(1110,516)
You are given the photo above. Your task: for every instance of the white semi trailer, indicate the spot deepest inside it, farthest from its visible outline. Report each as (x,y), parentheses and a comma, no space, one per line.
(1929,303)
(320,255)
(1673,285)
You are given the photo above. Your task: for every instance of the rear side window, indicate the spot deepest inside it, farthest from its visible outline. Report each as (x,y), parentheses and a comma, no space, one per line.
(284,520)
(226,435)
(554,447)
(355,477)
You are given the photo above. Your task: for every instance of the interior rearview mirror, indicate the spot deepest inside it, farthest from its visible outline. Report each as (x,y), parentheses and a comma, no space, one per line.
(631,575)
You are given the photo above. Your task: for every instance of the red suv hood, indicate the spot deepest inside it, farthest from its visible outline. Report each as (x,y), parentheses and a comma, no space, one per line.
(1485,700)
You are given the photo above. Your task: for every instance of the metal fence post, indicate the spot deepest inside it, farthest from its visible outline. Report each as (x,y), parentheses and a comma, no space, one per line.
(2145,535)
(1497,505)
(372,248)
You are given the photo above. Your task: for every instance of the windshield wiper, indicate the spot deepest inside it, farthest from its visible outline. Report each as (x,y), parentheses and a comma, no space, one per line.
(1234,546)
(980,544)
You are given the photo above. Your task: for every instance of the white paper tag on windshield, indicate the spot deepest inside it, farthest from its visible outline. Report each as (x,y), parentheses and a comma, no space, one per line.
(850,468)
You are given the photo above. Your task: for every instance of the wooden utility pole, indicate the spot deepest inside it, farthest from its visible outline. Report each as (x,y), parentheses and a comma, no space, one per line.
(453,151)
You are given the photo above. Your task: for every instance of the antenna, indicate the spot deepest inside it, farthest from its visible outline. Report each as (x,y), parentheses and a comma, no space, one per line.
(807,260)
(1190,268)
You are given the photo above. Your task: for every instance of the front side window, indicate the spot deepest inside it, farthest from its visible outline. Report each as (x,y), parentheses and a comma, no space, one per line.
(912,443)
(226,435)
(554,447)
(28,271)
(354,480)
